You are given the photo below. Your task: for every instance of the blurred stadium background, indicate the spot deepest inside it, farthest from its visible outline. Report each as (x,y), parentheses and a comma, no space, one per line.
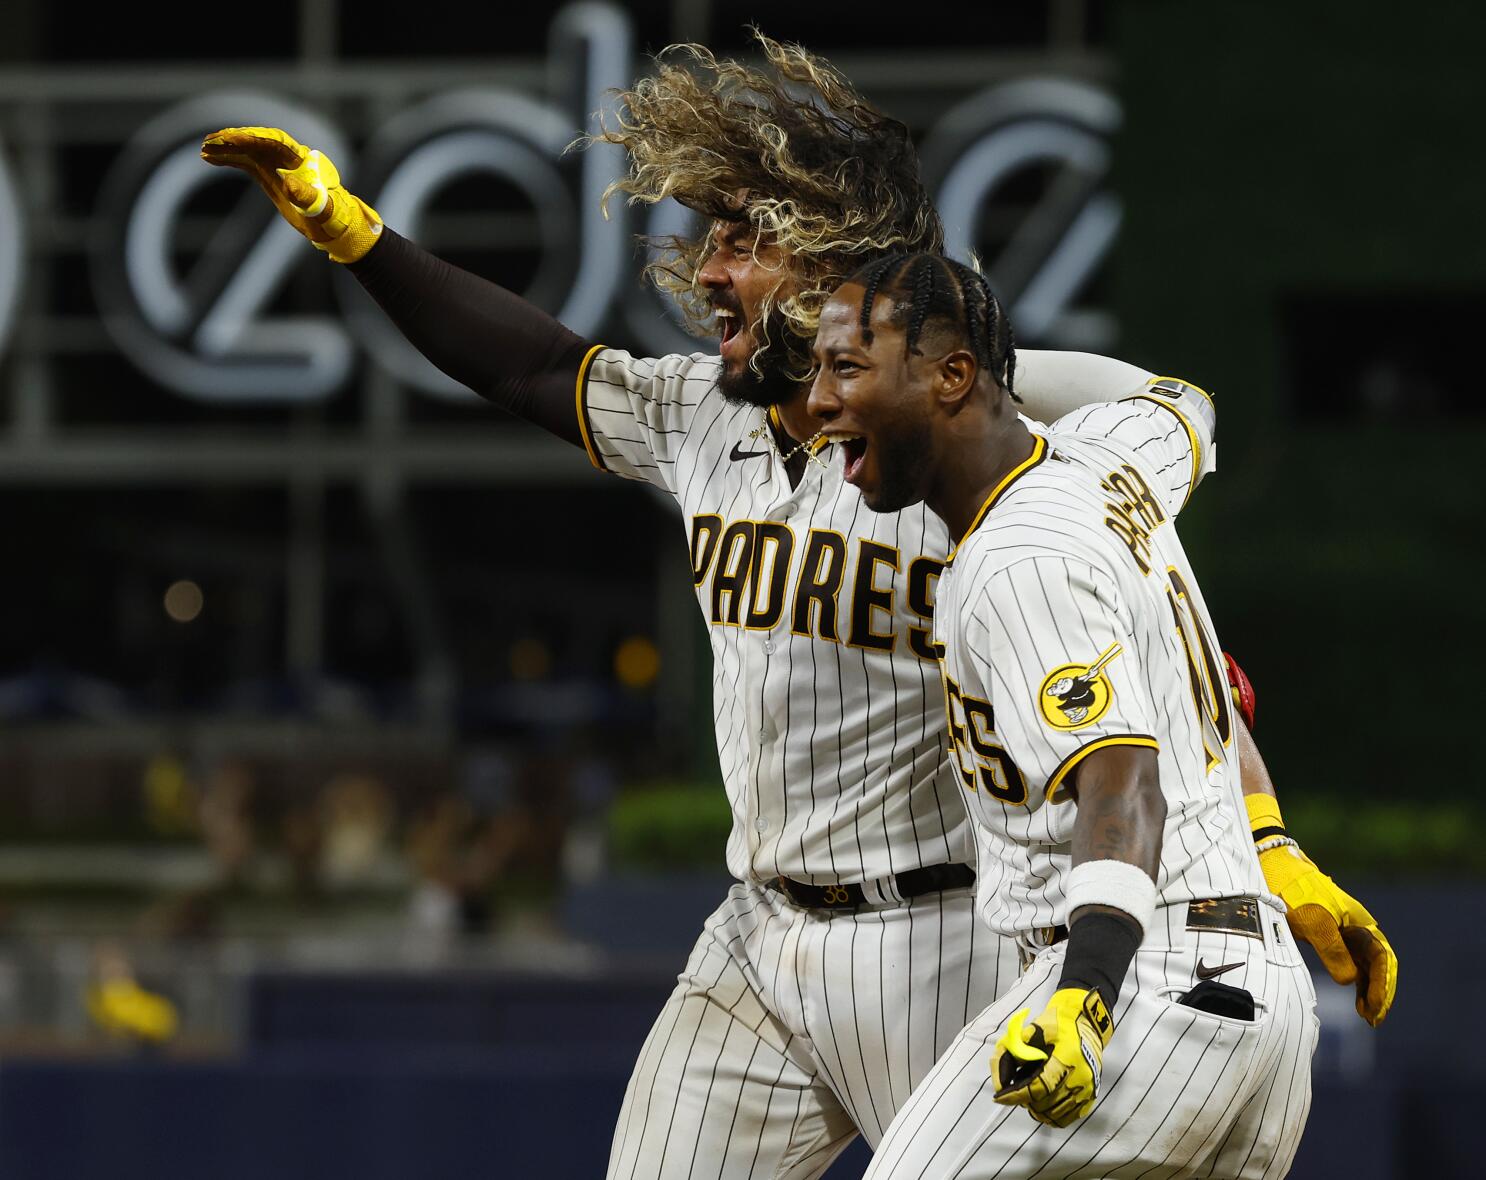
(355,741)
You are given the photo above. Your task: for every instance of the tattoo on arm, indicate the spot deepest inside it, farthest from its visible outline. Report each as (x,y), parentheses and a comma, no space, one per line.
(1121,811)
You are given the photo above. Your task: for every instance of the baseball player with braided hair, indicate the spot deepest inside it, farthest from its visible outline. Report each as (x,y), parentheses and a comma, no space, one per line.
(847,956)
(1165,1022)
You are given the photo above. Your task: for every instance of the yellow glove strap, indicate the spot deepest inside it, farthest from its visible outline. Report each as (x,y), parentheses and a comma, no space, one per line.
(348,226)
(1264,812)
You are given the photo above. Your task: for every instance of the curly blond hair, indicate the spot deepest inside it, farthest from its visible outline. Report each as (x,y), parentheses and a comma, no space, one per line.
(791,149)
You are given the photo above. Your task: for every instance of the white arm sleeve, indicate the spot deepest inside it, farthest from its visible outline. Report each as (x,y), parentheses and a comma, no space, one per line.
(1052,384)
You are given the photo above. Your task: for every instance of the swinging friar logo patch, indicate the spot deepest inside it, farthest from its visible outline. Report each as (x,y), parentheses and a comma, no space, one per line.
(1075,695)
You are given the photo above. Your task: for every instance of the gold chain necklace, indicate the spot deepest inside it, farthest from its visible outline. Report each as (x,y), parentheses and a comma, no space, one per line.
(766,432)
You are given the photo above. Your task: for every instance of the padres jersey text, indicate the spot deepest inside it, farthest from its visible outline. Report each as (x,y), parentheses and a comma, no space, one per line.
(826,689)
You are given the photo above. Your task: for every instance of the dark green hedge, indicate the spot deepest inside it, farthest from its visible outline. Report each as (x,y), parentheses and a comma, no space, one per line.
(685,826)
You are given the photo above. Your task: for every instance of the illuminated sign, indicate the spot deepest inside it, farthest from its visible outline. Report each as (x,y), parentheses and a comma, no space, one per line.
(203,322)
(987,140)
(204,333)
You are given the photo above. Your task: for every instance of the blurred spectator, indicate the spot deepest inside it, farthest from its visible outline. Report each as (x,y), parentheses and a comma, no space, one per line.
(433,846)
(171,800)
(302,832)
(356,813)
(585,849)
(227,821)
(491,854)
(121,1007)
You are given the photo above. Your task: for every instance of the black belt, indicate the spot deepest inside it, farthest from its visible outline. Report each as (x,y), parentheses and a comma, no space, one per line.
(913,883)
(1225,915)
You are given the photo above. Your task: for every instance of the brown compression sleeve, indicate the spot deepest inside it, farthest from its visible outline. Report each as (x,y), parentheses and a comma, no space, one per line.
(502,347)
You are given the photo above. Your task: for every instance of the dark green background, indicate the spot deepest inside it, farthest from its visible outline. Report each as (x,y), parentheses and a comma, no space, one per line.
(1277,159)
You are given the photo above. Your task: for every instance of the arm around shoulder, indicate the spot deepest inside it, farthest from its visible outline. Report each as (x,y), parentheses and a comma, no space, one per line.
(1053,383)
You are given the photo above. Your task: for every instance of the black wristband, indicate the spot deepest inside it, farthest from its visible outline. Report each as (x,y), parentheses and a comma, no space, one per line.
(1100,947)
(1266,833)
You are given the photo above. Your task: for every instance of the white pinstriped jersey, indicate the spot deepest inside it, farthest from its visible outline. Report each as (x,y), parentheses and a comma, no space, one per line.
(826,688)
(1071,621)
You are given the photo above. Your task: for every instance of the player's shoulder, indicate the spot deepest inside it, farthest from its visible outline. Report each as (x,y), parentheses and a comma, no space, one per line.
(697,372)
(1049,510)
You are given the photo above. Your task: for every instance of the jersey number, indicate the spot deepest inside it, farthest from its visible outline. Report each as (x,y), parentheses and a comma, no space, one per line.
(1205,674)
(993,770)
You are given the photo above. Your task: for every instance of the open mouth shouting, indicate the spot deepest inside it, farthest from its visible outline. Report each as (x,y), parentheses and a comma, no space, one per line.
(729,325)
(854,454)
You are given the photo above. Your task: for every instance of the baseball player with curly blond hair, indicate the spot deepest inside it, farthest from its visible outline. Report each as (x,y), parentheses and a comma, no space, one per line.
(847,956)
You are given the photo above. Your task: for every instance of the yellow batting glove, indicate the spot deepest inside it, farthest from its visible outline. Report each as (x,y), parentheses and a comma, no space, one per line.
(1052,1066)
(303,185)
(1337,925)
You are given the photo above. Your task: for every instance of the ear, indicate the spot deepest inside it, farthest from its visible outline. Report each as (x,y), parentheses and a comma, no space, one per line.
(954,378)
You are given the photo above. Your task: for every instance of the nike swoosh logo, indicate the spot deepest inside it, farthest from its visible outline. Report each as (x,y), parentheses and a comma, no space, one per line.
(737,454)
(1206,972)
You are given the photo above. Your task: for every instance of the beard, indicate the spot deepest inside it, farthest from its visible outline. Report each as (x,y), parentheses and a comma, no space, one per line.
(774,384)
(903,463)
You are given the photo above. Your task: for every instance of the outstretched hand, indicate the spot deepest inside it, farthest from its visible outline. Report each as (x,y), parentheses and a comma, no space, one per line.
(304,186)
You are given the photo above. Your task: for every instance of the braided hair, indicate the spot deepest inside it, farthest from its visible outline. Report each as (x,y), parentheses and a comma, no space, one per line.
(930,288)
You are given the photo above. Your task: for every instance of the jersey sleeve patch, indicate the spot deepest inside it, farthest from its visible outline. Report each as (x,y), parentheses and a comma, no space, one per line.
(1073,696)
(1056,649)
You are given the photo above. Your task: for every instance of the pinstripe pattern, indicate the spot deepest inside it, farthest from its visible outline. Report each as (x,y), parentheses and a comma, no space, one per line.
(832,752)
(1184,1093)
(1041,585)
(1044,583)
(790,1030)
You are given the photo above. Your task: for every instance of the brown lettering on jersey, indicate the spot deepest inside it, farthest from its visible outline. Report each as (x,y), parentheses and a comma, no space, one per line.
(1134,513)
(1135,495)
(1208,677)
(991,769)
(953,711)
(705,529)
(867,596)
(1136,539)
(773,547)
(819,585)
(754,584)
(923,572)
(735,556)
(980,725)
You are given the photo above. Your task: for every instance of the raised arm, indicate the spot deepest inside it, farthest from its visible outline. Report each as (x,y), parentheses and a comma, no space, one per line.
(1052,384)
(502,347)
(507,350)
